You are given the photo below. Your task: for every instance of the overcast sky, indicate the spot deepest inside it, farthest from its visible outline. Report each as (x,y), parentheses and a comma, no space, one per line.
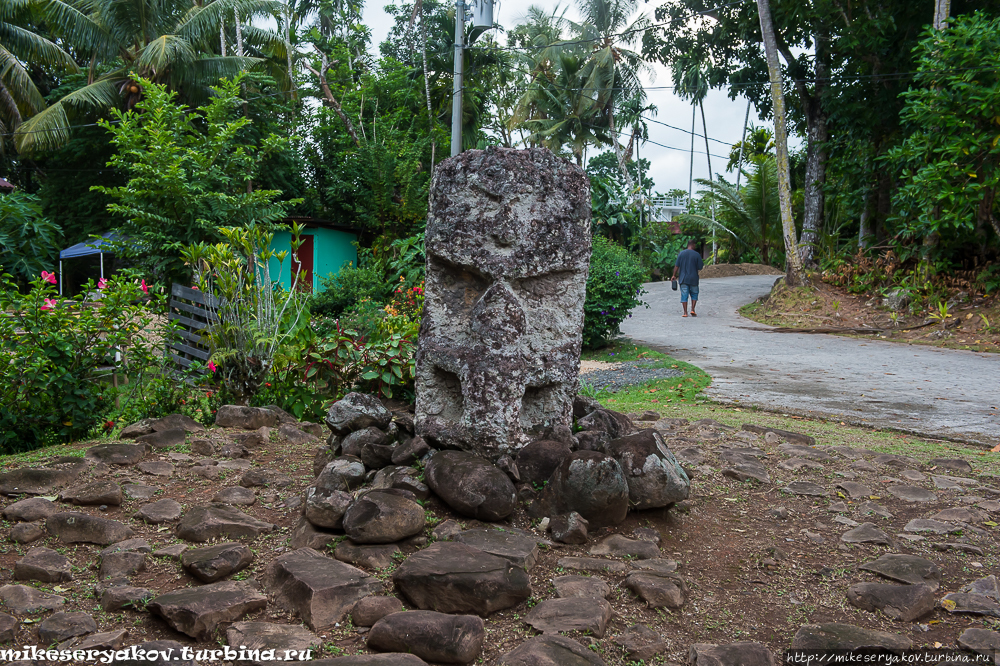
(669,167)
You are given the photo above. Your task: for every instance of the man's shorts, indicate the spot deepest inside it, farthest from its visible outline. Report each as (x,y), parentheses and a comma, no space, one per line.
(687,289)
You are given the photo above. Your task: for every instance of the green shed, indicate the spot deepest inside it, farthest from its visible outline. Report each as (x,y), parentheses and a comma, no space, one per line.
(326,246)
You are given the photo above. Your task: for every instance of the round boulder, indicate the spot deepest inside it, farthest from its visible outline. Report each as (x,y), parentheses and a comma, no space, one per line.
(356,411)
(537,461)
(593,485)
(471,485)
(381,517)
(655,478)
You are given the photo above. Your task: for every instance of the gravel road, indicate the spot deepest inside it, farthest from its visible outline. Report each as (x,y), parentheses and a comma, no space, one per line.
(934,392)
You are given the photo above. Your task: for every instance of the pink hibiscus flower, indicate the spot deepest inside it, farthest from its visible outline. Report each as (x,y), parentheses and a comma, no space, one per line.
(49,277)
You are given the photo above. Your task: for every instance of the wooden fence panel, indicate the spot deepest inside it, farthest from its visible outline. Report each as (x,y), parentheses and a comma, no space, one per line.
(190,309)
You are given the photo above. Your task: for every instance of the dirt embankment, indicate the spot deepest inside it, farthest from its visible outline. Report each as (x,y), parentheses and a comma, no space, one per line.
(732,270)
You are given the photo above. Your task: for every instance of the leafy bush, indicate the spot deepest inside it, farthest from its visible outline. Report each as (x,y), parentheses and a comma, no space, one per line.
(57,357)
(252,316)
(29,242)
(365,319)
(613,289)
(340,291)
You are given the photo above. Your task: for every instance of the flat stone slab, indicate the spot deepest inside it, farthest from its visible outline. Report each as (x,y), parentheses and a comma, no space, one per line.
(139,491)
(43,481)
(871,508)
(554,616)
(545,650)
(197,611)
(162,511)
(94,494)
(581,586)
(954,464)
(265,478)
(73,527)
(436,637)
(797,464)
(658,590)
(641,643)
(905,569)
(8,628)
(118,597)
(808,452)
(903,603)
(866,533)
(911,494)
(216,562)
(61,626)
(899,462)
(157,468)
(743,653)
(982,641)
(595,564)
(30,510)
(117,454)
(370,556)
(973,604)
(23,600)
(174,552)
(219,521)
(913,475)
(805,488)
(617,545)
(320,589)
(514,545)
(837,636)
(959,515)
(746,469)
(235,495)
(455,578)
(986,587)
(855,490)
(44,565)
(659,565)
(268,636)
(928,526)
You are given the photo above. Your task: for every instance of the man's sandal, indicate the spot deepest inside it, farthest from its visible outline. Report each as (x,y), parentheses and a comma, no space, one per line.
(693,314)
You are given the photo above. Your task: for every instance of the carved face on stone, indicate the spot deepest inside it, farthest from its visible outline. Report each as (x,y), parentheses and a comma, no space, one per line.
(508,247)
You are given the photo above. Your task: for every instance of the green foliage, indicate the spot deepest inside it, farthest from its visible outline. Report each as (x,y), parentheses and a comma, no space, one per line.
(251,316)
(168,42)
(341,291)
(950,162)
(614,286)
(188,175)
(665,252)
(748,220)
(29,242)
(57,357)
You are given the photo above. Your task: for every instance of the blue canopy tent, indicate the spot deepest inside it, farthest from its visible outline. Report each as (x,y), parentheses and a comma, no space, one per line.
(88,248)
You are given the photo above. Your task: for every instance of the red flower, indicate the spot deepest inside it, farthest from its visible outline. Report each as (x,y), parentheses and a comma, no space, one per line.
(49,277)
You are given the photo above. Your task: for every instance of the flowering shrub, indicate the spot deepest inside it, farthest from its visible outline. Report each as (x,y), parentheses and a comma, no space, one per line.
(404,312)
(614,286)
(58,355)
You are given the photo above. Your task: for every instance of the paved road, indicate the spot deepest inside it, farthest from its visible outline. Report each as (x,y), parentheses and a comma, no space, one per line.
(934,392)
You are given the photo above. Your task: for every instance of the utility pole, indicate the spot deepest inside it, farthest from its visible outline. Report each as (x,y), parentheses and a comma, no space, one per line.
(794,273)
(456,94)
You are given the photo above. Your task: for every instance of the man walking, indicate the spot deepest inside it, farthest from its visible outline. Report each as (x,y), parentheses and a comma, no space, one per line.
(687,265)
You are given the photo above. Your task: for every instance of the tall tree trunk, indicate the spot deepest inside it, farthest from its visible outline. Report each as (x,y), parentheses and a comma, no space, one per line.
(691,171)
(708,156)
(222,36)
(864,228)
(816,137)
(427,85)
(288,47)
(942,9)
(794,273)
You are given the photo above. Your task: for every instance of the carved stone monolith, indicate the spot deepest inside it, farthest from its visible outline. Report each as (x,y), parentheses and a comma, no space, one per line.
(508,249)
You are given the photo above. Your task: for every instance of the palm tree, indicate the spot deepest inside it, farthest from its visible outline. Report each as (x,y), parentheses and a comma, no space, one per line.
(751,215)
(613,70)
(563,113)
(19,97)
(172,42)
(690,83)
